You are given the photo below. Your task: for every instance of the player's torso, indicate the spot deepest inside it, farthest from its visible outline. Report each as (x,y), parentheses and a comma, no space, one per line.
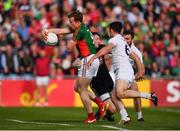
(84,39)
(137,52)
(120,53)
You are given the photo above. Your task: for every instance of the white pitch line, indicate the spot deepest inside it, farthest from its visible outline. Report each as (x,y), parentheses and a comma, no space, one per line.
(38,123)
(113,127)
(169,110)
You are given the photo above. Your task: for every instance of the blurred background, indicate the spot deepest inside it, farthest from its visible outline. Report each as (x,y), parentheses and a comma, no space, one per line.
(156,24)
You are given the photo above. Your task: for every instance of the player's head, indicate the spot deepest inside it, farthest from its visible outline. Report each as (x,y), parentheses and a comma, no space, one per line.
(97,39)
(128,36)
(75,19)
(115,28)
(42,53)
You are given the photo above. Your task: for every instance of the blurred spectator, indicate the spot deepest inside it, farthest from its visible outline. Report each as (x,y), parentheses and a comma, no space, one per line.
(155,73)
(56,63)
(42,76)
(167,73)
(23,29)
(147,63)
(176,70)
(156,24)
(25,62)
(174,59)
(162,60)
(10,61)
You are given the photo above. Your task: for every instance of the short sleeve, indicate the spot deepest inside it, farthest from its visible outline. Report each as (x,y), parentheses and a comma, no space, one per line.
(113,41)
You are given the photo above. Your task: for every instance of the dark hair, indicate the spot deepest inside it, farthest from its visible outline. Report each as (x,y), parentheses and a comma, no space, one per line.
(95,33)
(77,15)
(128,32)
(116,26)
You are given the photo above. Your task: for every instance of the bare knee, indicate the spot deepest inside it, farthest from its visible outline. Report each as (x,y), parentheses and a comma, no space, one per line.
(121,94)
(134,87)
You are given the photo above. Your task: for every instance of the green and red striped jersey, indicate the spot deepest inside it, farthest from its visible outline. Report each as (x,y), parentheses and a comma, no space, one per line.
(84,39)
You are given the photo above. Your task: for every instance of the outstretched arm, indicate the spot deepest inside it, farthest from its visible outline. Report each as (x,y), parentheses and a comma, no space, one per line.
(57,31)
(101,52)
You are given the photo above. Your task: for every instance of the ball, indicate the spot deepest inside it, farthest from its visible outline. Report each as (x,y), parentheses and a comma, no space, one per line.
(52,39)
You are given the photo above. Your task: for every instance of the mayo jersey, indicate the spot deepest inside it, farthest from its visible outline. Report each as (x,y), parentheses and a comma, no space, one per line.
(137,52)
(85,43)
(120,53)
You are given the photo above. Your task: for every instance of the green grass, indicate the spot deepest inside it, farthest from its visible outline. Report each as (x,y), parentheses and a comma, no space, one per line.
(52,118)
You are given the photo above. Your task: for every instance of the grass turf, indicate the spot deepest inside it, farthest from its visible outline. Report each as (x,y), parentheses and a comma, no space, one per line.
(54,118)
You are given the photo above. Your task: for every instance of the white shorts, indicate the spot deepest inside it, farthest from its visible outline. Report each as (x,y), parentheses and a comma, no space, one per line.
(126,74)
(91,71)
(42,80)
(113,76)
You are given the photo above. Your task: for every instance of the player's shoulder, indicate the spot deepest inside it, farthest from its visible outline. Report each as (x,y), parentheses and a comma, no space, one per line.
(134,48)
(117,39)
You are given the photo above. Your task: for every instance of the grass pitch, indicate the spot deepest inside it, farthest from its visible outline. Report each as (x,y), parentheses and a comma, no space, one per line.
(33,118)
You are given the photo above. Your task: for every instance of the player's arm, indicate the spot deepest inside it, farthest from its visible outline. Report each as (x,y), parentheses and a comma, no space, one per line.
(142,68)
(71,45)
(142,64)
(133,56)
(101,52)
(57,31)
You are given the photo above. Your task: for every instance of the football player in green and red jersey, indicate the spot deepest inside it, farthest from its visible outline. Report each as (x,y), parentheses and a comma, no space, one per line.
(83,41)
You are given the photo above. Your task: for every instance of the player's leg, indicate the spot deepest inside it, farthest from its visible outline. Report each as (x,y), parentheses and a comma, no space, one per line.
(137,102)
(83,92)
(95,99)
(120,106)
(111,109)
(38,87)
(123,93)
(46,83)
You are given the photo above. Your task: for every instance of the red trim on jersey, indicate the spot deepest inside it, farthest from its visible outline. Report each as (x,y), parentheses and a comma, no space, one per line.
(84,49)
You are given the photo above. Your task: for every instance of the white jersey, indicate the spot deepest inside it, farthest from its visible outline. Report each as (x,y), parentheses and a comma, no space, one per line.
(120,59)
(137,52)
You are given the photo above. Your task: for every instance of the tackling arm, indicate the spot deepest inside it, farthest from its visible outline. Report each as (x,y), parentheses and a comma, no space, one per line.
(101,52)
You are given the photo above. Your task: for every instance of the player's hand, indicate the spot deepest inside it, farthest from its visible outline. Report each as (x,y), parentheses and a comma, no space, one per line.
(44,34)
(139,77)
(77,63)
(90,62)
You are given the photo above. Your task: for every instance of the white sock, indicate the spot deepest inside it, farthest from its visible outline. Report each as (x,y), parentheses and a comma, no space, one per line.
(139,115)
(123,113)
(145,95)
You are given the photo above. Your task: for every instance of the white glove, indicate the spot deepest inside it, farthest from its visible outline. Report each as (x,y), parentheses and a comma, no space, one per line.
(77,63)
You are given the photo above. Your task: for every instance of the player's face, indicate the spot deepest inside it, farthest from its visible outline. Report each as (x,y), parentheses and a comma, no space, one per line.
(128,39)
(74,24)
(97,40)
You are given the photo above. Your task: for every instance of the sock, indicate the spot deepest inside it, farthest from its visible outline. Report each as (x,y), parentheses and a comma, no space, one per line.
(91,115)
(97,100)
(123,114)
(139,115)
(145,95)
